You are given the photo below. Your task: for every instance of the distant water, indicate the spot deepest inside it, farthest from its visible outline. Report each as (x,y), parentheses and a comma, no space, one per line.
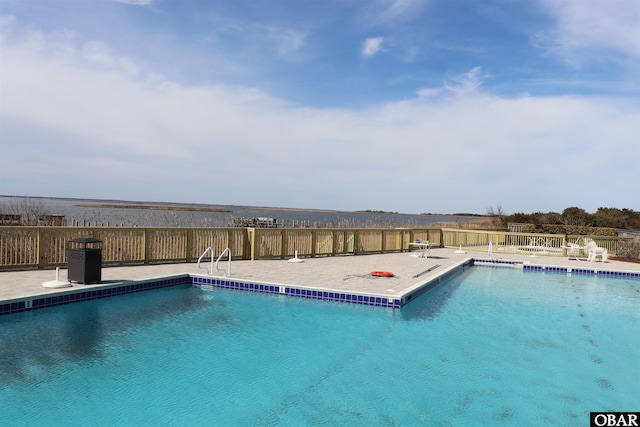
(90,213)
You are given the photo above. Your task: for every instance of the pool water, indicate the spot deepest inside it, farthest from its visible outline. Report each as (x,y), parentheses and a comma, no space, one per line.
(489,346)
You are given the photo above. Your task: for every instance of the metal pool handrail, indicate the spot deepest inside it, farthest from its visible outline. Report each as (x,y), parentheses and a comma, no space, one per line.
(227,272)
(209,273)
(227,251)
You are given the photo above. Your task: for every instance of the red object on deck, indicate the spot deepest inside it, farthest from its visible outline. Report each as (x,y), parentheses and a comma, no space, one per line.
(382,274)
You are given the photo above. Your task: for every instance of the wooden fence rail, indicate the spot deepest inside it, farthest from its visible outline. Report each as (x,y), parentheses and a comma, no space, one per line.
(43,247)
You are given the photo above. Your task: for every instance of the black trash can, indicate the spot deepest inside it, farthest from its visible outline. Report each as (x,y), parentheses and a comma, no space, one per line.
(84,255)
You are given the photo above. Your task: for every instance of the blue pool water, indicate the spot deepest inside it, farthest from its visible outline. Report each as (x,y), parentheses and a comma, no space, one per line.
(489,346)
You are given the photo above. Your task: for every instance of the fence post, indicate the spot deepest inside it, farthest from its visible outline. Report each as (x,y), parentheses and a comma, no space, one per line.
(334,240)
(252,242)
(283,243)
(41,249)
(189,245)
(147,245)
(314,242)
(228,245)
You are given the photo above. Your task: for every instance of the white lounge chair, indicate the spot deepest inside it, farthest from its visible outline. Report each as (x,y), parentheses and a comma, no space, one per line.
(595,251)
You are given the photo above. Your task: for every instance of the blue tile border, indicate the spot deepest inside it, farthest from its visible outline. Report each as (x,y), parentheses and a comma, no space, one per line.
(588,271)
(549,269)
(582,271)
(556,269)
(617,274)
(345,297)
(87,294)
(495,262)
(317,294)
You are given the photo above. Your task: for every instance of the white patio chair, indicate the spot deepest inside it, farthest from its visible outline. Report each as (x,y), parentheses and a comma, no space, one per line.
(595,251)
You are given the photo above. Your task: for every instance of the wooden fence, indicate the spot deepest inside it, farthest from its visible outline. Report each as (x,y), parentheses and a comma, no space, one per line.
(42,247)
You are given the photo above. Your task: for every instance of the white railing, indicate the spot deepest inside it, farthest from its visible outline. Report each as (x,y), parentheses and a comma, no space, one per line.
(227,272)
(214,264)
(523,243)
(206,251)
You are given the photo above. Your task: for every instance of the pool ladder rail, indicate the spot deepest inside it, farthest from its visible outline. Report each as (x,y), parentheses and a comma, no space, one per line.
(227,271)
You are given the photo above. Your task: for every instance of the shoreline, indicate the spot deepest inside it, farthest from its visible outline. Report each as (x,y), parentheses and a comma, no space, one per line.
(153,207)
(204,207)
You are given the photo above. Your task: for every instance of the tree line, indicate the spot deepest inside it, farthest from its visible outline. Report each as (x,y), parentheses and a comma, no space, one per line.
(626,219)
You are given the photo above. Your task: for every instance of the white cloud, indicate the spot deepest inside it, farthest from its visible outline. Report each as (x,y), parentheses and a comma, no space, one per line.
(468,82)
(101,56)
(68,122)
(6,20)
(401,8)
(465,84)
(287,41)
(371,46)
(390,13)
(582,26)
(428,92)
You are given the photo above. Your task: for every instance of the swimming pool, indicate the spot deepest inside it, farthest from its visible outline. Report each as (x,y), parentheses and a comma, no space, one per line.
(487,346)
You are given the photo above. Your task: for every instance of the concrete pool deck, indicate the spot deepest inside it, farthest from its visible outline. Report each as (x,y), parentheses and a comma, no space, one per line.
(347,274)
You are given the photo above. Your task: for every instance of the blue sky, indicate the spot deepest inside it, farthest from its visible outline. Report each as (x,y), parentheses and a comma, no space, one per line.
(439,106)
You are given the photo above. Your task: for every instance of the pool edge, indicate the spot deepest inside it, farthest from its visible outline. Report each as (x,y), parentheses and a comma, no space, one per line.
(89,292)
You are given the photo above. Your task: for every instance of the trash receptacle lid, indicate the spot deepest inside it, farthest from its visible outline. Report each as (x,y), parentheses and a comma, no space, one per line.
(85,240)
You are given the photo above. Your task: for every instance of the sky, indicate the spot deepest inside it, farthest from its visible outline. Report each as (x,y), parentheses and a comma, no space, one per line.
(410,106)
